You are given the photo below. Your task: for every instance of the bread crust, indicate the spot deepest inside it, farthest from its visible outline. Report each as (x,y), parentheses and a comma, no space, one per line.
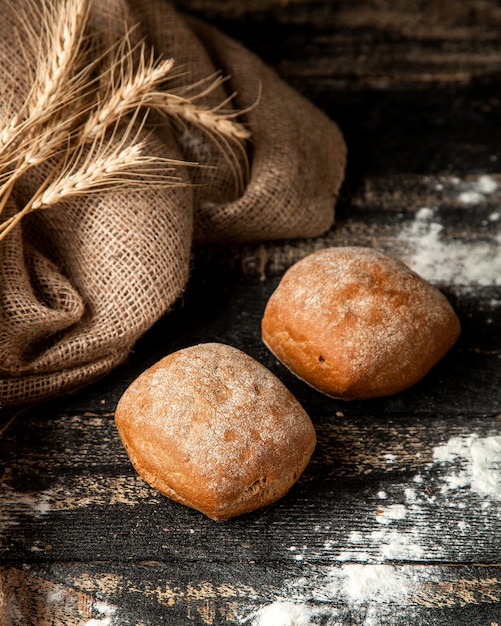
(355,323)
(210,427)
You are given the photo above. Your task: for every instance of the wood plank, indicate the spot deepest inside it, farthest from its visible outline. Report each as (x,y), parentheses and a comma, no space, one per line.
(149,594)
(377,490)
(402,493)
(222,303)
(329,44)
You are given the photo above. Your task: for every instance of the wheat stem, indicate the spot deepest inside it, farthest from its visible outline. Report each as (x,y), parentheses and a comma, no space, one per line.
(5,194)
(109,161)
(73,103)
(65,30)
(11,222)
(125,94)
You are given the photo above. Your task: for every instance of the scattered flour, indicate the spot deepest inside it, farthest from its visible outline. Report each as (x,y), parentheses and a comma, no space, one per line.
(391,512)
(74,493)
(410,494)
(298,554)
(476,463)
(476,191)
(283,614)
(369,583)
(395,545)
(13,504)
(369,591)
(365,588)
(471,197)
(461,262)
(63,603)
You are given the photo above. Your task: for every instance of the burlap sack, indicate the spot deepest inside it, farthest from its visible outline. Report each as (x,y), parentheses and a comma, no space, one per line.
(81,281)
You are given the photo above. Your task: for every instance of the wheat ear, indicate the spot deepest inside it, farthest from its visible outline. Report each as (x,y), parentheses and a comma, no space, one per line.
(126,86)
(221,126)
(107,163)
(43,125)
(67,112)
(182,103)
(62,72)
(64,34)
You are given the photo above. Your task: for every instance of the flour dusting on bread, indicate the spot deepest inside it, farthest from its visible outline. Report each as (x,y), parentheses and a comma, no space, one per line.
(213,428)
(356,323)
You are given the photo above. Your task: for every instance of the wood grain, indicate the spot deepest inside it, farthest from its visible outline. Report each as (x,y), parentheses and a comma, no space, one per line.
(382,471)
(85,542)
(153,593)
(322,46)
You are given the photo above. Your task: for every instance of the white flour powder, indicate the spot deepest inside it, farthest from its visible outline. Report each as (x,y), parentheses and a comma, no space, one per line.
(475,464)
(14,504)
(370,583)
(283,614)
(391,512)
(369,589)
(462,467)
(464,472)
(480,188)
(465,261)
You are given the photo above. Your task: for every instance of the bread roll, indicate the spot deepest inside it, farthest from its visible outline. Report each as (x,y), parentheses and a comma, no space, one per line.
(355,323)
(212,428)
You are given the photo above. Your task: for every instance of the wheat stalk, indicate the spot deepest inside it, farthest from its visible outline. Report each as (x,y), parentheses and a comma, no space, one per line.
(64,32)
(220,126)
(109,162)
(125,86)
(63,70)
(204,117)
(74,102)
(43,123)
(212,119)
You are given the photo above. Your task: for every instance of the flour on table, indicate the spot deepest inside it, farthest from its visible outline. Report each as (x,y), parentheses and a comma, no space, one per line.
(470,466)
(474,463)
(410,494)
(464,261)
(75,492)
(102,609)
(61,601)
(14,504)
(371,584)
(391,512)
(479,190)
(283,614)
(368,590)
(298,553)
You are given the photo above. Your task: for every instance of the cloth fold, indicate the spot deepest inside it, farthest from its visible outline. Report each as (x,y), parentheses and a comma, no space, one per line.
(81,281)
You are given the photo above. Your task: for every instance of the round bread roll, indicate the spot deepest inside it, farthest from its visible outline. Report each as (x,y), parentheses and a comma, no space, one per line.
(355,323)
(212,428)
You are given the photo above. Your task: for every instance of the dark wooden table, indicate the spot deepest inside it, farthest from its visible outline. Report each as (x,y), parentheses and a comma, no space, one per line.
(397,519)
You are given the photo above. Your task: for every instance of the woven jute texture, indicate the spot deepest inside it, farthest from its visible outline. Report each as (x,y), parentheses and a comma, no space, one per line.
(81,281)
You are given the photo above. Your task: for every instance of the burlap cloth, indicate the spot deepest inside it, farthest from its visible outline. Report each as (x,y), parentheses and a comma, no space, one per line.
(80,282)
